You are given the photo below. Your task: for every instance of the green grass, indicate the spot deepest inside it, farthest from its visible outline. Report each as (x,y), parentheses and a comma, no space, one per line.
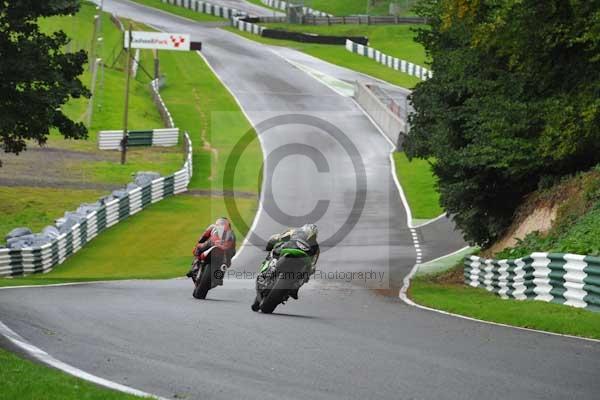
(432,291)
(153,244)
(25,380)
(418,183)
(395,40)
(109,102)
(182,12)
(199,103)
(36,208)
(338,55)
(354,7)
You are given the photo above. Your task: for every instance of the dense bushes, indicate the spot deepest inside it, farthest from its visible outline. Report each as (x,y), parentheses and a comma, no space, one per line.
(514,101)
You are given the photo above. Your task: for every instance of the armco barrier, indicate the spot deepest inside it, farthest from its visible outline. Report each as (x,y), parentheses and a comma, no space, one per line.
(14,262)
(111,140)
(568,279)
(282,5)
(246,26)
(207,8)
(160,104)
(392,62)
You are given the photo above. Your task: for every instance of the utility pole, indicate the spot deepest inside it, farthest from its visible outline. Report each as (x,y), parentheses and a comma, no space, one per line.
(126,113)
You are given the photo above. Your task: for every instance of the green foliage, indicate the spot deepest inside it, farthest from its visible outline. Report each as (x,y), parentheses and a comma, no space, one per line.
(514,98)
(36,76)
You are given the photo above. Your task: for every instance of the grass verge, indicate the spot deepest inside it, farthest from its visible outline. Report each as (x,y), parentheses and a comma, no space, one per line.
(353,7)
(419,185)
(181,11)
(154,244)
(338,55)
(445,291)
(36,208)
(25,380)
(395,40)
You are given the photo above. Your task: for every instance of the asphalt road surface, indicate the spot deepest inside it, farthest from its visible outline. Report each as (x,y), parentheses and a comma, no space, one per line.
(340,340)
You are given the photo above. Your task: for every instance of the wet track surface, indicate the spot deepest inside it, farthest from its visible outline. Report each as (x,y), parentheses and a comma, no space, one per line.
(340,340)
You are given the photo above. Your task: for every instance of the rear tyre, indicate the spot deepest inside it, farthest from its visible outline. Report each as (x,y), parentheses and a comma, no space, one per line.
(202,284)
(275,297)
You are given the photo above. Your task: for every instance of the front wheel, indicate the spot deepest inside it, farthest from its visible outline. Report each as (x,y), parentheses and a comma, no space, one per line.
(202,283)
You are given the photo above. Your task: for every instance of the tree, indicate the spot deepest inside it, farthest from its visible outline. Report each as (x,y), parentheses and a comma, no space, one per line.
(514,102)
(36,76)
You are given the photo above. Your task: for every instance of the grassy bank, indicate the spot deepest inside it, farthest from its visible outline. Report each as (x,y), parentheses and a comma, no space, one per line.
(576,228)
(25,380)
(36,208)
(363,7)
(154,244)
(445,291)
(201,104)
(418,184)
(338,55)
(109,103)
(395,40)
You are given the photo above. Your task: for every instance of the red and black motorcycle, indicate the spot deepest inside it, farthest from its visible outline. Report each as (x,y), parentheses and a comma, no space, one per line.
(208,270)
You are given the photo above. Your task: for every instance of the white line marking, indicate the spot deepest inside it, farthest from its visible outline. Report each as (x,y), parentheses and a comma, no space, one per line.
(47,359)
(448,255)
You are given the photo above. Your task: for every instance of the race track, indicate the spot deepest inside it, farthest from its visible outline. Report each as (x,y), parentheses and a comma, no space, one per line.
(340,340)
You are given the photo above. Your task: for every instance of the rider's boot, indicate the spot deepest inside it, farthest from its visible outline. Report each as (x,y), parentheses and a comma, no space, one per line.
(294,294)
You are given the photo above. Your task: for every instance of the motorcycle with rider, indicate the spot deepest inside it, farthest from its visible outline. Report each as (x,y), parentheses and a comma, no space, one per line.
(212,257)
(291,261)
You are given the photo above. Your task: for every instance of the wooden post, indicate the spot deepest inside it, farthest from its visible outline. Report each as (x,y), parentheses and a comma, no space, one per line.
(156,64)
(126,112)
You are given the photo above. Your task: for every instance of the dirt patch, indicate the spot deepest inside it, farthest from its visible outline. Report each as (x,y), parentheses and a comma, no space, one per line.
(49,166)
(540,219)
(220,193)
(545,209)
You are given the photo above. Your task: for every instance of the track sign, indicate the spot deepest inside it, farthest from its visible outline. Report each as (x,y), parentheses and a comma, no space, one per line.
(158,40)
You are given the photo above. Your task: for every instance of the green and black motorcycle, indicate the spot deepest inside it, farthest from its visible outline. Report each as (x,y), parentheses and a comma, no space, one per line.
(287,267)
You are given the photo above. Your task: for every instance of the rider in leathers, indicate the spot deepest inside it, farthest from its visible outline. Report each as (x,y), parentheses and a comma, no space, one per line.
(305,234)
